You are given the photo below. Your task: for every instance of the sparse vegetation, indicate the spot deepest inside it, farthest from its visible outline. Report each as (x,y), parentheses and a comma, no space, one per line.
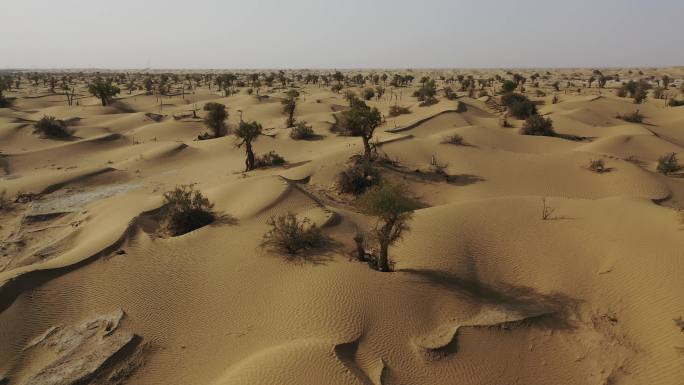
(539,126)
(186,209)
(51,127)
(292,235)
(392,206)
(668,163)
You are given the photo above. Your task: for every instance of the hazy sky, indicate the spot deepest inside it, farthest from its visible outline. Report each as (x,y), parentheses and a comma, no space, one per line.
(340,33)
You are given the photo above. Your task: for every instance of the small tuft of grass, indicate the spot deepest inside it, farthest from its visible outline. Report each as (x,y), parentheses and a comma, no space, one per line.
(597,165)
(453,139)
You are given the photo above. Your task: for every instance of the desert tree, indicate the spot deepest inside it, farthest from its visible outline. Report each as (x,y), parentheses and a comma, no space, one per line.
(289,106)
(248,132)
(216,117)
(103,89)
(508,86)
(338,76)
(666,81)
(393,208)
(361,120)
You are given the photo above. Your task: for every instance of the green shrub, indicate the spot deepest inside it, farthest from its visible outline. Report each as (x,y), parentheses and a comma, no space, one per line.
(51,127)
(520,106)
(675,103)
(668,164)
(291,235)
(396,110)
(302,131)
(539,126)
(269,159)
(186,209)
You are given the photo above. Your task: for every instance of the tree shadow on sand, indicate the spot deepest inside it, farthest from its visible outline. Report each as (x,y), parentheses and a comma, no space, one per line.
(521,299)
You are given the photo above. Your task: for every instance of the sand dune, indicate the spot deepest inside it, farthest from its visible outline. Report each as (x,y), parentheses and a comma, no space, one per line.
(485,290)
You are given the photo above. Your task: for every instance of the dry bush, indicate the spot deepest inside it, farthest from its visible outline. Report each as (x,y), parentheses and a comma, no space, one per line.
(51,127)
(539,126)
(597,165)
(397,110)
(186,209)
(453,139)
(357,177)
(634,117)
(302,131)
(668,164)
(269,159)
(291,235)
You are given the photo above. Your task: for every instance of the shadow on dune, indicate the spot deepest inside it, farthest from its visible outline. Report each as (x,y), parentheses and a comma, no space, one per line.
(510,297)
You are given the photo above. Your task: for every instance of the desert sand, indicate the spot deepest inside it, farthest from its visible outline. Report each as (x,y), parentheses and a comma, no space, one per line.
(485,290)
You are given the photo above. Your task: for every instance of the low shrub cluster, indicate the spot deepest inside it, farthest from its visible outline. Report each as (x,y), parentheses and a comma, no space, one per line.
(51,127)
(186,209)
(302,131)
(397,110)
(269,159)
(634,117)
(453,139)
(358,177)
(537,125)
(292,235)
(519,106)
(668,164)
